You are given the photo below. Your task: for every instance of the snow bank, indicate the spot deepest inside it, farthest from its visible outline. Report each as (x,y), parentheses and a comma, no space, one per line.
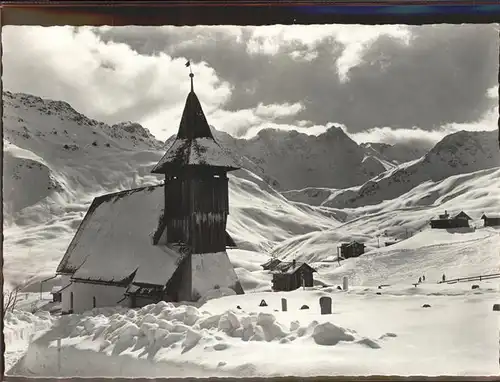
(19,328)
(20,325)
(164,325)
(234,336)
(162,333)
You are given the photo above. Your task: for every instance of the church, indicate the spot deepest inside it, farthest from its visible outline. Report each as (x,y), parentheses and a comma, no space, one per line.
(160,243)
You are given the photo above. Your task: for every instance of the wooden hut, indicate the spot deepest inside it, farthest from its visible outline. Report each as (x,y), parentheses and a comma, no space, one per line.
(460,220)
(352,249)
(288,276)
(490,221)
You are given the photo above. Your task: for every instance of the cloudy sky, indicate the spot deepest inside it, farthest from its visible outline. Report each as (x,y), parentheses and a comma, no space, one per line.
(381,83)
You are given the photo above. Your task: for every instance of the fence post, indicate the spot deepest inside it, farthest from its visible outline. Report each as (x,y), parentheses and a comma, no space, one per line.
(59,355)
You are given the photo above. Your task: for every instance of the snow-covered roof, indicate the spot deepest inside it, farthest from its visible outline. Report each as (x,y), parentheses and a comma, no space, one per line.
(114,241)
(446,216)
(490,217)
(195,144)
(195,152)
(462,215)
(271,264)
(290,267)
(352,243)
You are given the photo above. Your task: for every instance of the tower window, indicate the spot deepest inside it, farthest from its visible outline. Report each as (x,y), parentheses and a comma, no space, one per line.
(93,302)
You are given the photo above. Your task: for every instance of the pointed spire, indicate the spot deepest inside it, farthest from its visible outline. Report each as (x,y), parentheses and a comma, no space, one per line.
(188,149)
(193,122)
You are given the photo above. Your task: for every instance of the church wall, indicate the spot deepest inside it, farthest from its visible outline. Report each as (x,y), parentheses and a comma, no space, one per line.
(65,294)
(105,295)
(179,286)
(213,271)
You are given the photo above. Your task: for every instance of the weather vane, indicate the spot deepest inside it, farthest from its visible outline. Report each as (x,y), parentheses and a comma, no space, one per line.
(191,75)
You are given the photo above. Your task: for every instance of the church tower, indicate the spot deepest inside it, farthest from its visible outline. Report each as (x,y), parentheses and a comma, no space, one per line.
(195,167)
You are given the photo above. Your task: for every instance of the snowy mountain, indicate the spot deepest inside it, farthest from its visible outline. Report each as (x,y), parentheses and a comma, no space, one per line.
(393,155)
(458,153)
(290,160)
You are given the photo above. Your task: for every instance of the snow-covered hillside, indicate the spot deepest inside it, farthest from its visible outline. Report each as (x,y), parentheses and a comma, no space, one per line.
(396,219)
(393,155)
(53,171)
(458,153)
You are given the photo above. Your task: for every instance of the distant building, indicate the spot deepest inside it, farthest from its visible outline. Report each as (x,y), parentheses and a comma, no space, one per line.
(460,220)
(491,221)
(56,294)
(271,264)
(352,249)
(159,243)
(389,243)
(288,276)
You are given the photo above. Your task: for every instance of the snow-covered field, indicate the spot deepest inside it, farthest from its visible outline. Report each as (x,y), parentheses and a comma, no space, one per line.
(51,156)
(390,332)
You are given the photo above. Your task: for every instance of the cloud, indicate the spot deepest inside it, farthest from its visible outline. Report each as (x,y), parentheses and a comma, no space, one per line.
(248,122)
(278,111)
(107,81)
(424,138)
(360,76)
(249,78)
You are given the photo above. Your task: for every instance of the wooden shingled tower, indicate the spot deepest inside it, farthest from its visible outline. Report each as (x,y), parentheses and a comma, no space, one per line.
(195,167)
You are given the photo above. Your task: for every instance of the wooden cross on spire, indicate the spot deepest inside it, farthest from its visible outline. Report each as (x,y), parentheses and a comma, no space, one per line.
(191,75)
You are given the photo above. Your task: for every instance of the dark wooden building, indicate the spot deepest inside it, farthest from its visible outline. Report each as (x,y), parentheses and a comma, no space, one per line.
(288,276)
(490,221)
(389,243)
(460,220)
(196,184)
(271,264)
(196,194)
(352,249)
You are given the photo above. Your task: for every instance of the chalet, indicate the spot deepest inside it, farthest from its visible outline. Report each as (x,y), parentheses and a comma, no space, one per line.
(389,243)
(271,264)
(490,221)
(352,249)
(444,221)
(165,242)
(288,276)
